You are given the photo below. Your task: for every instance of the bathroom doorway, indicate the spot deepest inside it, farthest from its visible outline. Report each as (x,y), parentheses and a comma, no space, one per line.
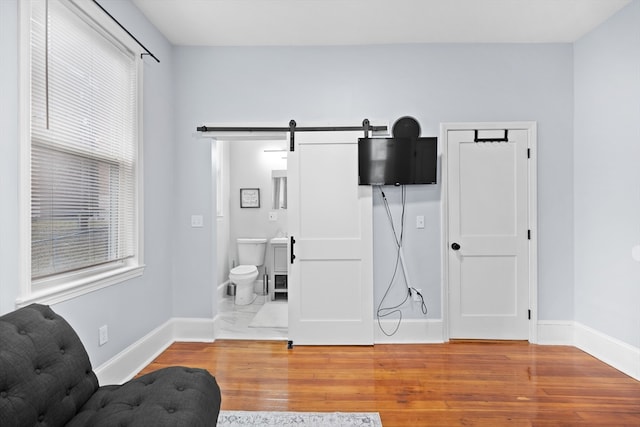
(256,168)
(350,263)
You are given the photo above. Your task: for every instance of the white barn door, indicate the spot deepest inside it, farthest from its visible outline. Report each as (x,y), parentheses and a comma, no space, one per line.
(488,247)
(330,223)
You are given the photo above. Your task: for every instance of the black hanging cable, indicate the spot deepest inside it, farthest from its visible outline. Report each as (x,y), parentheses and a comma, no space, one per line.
(388,311)
(396,309)
(146,51)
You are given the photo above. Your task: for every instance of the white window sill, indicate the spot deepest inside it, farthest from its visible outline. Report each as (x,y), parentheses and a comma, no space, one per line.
(78,287)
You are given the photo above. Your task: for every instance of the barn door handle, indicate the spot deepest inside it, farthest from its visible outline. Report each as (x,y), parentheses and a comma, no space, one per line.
(455,246)
(293,241)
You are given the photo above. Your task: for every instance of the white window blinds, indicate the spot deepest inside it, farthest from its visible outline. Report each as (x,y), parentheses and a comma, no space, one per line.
(83,143)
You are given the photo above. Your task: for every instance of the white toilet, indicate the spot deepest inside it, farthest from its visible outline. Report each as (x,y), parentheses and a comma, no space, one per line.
(250,256)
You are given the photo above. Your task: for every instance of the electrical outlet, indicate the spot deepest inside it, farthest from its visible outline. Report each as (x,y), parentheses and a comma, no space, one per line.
(104,335)
(197,221)
(420,221)
(415,295)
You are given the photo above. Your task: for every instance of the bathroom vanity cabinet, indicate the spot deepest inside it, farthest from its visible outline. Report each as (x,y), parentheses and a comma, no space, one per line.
(279,290)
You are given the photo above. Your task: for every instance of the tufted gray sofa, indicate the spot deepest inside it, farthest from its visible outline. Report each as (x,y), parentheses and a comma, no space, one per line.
(46,380)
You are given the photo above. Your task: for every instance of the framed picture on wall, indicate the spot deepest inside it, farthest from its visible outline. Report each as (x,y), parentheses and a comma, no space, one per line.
(249,197)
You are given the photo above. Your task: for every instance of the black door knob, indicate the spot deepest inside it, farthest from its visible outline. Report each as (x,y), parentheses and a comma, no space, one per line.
(455,246)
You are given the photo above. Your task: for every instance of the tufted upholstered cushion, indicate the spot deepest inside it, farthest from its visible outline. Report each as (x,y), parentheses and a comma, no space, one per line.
(46,380)
(45,373)
(175,396)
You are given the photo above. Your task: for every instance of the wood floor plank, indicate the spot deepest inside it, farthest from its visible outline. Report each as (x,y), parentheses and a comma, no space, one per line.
(452,384)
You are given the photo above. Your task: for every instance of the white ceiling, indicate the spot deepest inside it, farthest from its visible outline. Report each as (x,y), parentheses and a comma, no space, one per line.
(357,22)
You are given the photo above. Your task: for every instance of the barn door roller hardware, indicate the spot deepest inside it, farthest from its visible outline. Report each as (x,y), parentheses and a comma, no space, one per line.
(366,127)
(503,139)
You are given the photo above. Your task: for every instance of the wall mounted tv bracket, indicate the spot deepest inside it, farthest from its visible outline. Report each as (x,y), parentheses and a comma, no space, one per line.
(292,129)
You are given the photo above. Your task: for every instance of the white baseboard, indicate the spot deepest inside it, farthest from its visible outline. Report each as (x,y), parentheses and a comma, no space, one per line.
(555,332)
(126,364)
(193,330)
(613,352)
(620,355)
(411,331)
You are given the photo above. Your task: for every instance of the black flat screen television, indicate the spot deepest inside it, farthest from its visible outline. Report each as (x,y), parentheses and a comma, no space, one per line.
(397,161)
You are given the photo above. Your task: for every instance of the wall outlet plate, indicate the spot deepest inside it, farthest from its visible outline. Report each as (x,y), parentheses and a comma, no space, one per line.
(197,221)
(415,295)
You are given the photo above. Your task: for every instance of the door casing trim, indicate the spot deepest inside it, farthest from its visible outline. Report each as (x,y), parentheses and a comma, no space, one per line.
(531,128)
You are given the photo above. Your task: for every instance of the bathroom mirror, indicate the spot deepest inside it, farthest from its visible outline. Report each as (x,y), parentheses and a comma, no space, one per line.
(279,189)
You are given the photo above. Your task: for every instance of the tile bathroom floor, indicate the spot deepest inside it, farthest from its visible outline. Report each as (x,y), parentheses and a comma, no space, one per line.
(234,321)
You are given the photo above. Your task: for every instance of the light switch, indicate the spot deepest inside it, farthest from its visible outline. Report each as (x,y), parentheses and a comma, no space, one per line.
(197,221)
(420,221)
(103,333)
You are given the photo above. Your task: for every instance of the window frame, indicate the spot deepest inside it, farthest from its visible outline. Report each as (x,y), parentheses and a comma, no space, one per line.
(65,286)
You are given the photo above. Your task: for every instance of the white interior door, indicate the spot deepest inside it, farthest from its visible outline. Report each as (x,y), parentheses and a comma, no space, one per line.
(330,221)
(488,233)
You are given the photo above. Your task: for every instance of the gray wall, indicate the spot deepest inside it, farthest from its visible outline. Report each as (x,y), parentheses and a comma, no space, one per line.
(607,177)
(130,309)
(434,83)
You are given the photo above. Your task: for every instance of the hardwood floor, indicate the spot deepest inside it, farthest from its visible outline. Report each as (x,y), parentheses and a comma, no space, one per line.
(459,383)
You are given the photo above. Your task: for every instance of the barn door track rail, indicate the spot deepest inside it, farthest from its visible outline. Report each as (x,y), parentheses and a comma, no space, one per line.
(366,127)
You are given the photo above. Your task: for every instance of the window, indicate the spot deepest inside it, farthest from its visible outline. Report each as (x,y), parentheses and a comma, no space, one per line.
(83,144)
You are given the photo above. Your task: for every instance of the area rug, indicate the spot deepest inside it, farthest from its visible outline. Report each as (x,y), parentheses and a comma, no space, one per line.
(271,315)
(298,419)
